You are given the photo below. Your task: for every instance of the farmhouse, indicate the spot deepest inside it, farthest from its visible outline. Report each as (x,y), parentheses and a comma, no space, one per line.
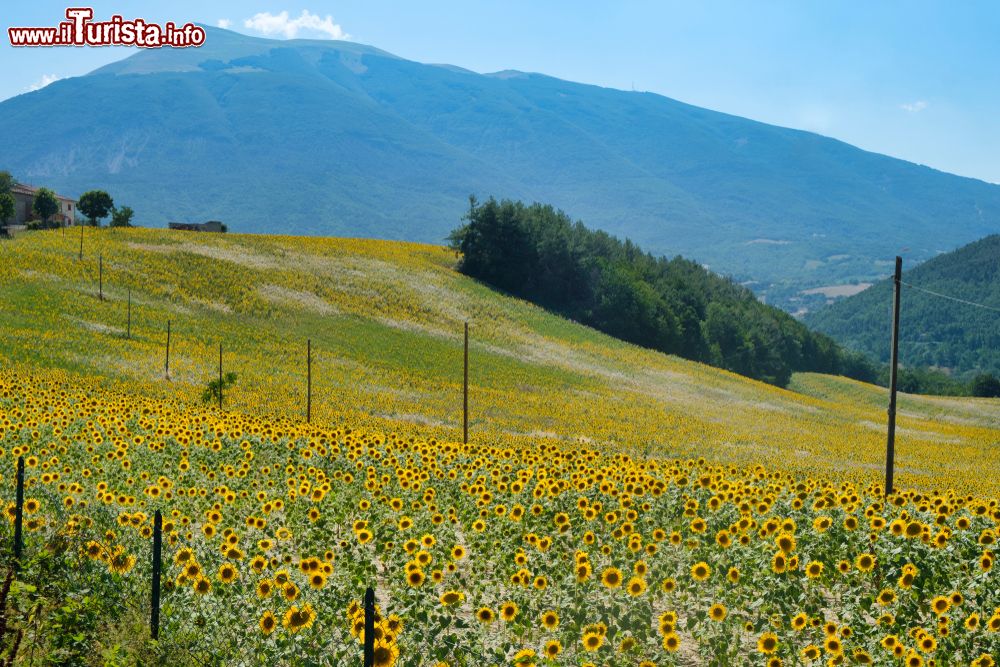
(210,226)
(24,199)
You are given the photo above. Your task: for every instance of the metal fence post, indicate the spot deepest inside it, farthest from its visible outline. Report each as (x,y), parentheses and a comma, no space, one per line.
(19,514)
(369,655)
(154,615)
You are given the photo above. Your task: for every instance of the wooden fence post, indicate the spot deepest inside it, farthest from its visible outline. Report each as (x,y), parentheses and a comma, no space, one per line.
(128,330)
(369,653)
(220,375)
(168,351)
(81,242)
(154,613)
(309,385)
(19,515)
(890,443)
(465,390)
(100,277)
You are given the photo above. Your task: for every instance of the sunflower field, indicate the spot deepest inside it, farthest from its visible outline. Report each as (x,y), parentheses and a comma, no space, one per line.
(613,506)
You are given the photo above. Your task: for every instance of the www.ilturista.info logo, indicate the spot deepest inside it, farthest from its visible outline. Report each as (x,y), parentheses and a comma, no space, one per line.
(79,30)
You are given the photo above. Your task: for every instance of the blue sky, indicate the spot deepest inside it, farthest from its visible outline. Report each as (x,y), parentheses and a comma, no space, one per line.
(918,80)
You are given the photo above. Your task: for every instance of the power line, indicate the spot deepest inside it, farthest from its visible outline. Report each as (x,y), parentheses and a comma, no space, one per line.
(951,298)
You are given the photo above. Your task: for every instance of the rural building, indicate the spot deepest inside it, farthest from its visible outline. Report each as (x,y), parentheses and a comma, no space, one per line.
(210,226)
(24,200)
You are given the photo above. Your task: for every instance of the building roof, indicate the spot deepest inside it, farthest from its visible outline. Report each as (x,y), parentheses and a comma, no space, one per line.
(23,189)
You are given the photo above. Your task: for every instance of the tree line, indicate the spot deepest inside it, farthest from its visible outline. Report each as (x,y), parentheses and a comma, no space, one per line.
(674,305)
(94,204)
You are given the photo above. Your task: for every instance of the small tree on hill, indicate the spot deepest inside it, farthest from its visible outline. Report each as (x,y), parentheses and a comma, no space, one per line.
(122,217)
(45,205)
(986,385)
(6,208)
(95,204)
(6,182)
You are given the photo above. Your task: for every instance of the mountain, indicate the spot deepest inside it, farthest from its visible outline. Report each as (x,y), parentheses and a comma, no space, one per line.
(327,137)
(933,331)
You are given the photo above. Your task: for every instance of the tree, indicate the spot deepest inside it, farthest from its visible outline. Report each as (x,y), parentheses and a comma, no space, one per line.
(986,385)
(122,217)
(6,208)
(95,204)
(6,182)
(45,205)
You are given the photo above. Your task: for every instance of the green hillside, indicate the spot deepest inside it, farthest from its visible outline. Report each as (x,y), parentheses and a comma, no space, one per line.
(385,320)
(934,331)
(336,138)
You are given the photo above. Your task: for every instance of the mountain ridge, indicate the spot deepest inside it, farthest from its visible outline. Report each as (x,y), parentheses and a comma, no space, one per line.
(326,137)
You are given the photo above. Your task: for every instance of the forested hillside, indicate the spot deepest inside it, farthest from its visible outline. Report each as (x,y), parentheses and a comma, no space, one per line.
(671,305)
(934,331)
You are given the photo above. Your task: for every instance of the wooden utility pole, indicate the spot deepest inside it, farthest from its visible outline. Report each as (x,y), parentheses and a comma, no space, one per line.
(890,445)
(168,350)
(309,381)
(465,390)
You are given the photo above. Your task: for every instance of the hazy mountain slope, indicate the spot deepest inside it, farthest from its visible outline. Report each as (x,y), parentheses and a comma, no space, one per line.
(326,137)
(933,331)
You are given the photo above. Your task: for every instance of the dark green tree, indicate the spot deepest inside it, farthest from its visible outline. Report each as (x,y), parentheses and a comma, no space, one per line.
(6,182)
(45,204)
(96,205)
(986,385)
(6,208)
(122,217)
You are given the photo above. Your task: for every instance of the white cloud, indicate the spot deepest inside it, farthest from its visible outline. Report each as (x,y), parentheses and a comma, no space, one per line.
(44,81)
(224,23)
(914,107)
(280,24)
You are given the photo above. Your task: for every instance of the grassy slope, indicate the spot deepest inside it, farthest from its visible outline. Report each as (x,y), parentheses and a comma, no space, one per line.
(386,319)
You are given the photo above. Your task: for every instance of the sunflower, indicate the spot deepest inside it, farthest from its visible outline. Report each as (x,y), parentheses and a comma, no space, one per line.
(865,562)
(700,571)
(717,612)
(227,573)
(592,640)
(550,620)
(611,577)
(767,643)
(508,611)
(485,615)
(940,605)
(814,569)
(671,642)
(636,586)
(202,585)
(552,649)
(299,618)
(267,623)
(810,653)
(886,597)
(415,578)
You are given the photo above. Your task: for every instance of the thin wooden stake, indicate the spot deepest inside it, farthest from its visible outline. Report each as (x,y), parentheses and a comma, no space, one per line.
(154,616)
(465,390)
(81,243)
(309,383)
(100,276)
(19,514)
(220,376)
(128,330)
(369,654)
(168,351)
(890,445)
